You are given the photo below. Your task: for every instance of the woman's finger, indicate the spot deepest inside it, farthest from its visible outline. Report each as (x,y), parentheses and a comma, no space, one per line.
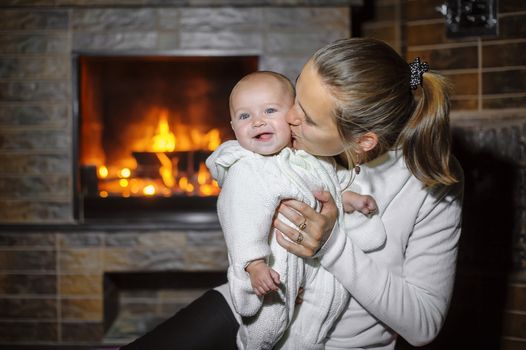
(291,214)
(302,208)
(293,248)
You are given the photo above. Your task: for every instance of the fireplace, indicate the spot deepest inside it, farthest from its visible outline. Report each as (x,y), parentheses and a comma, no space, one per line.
(146,124)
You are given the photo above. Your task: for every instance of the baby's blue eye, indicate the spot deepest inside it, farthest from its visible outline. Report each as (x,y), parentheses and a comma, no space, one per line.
(244,116)
(270,110)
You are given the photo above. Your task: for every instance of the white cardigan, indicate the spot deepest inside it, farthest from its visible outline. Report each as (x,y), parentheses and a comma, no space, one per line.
(404,287)
(250,194)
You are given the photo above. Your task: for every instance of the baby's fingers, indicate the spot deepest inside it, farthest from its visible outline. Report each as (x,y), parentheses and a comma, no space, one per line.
(275,278)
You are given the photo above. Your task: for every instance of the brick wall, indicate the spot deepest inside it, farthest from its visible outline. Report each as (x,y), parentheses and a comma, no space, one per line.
(489,122)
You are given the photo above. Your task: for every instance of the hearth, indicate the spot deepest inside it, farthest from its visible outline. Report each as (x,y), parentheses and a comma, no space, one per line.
(146,124)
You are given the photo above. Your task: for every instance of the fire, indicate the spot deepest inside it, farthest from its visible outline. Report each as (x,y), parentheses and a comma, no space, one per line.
(164,140)
(175,150)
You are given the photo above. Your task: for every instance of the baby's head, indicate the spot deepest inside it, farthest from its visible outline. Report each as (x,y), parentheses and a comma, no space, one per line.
(258,105)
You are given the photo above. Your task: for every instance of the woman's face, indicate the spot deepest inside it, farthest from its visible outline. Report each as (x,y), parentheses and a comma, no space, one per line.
(311,121)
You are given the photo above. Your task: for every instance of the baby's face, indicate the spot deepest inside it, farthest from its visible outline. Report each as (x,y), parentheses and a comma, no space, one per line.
(258,107)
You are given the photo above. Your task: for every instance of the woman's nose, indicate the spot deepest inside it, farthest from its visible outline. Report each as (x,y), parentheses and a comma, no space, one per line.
(292,117)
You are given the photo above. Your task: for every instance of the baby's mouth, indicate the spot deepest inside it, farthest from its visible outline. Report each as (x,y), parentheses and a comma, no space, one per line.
(265,136)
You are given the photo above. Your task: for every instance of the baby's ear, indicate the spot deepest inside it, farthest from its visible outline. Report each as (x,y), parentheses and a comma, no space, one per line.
(368,141)
(231,125)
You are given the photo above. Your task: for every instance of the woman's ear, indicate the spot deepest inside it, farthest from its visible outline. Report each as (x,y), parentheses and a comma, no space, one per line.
(367,141)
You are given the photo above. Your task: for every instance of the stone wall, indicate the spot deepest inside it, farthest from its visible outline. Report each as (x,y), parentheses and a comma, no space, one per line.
(52,267)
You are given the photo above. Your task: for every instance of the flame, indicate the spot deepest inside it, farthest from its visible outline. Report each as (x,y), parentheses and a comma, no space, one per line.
(103,172)
(159,140)
(164,140)
(166,169)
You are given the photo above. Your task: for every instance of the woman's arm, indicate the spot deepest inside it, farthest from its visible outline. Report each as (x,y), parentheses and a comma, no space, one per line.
(414,302)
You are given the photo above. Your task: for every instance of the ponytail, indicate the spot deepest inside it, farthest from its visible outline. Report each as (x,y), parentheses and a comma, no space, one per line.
(425,140)
(373,88)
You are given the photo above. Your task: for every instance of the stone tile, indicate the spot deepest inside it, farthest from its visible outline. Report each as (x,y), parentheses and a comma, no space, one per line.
(206,259)
(512,344)
(245,40)
(504,55)
(464,83)
(503,102)
(33,43)
(30,164)
(44,308)
(24,239)
(168,41)
(36,260)
(384,33)
(504,81)
(91,332)
(300,43)
(28,331)
(34,114)
(426,34)
(155,259)
(514,325)
(93,3)
(81,284)
(28,284)
(205,239)
(28,2)
(26,91)
(422,9)
(32,19)
(288,66)
(112,19)
(80,261)
(35,140)
(219,19)
(21,211)
(20,187)
(516,298)
(81,309)
(448,58)
(114,41)
(465,104)
(169,18)
(36,68)
(512,27)
(175,240)
(307,19)
(511,6)
(80,240)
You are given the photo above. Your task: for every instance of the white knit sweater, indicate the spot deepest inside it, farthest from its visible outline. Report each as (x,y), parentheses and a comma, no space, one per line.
(250,195)
(404,288)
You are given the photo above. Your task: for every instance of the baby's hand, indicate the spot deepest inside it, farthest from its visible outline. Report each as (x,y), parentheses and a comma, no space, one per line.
(263,278)
(365,204)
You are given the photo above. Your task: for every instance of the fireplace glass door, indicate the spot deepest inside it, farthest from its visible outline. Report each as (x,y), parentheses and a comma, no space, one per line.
(146,126)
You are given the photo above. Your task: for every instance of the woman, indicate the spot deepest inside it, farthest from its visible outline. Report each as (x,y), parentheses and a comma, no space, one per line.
(388,121)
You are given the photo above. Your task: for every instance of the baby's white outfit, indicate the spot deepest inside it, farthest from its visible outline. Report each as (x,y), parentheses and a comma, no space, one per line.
(252,187)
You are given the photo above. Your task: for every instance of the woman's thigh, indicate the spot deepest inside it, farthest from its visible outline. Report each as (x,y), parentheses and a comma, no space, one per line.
(207,323)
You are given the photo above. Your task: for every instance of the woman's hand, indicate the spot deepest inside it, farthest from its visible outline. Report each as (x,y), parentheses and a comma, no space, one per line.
(313,228)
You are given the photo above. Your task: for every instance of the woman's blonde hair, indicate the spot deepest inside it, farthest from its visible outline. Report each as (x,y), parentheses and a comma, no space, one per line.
(371,83)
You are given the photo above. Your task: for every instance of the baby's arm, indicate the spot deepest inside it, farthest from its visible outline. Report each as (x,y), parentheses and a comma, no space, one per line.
(262,277)
(352,201)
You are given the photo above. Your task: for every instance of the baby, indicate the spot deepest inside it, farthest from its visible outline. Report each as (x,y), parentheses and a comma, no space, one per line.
(256,173)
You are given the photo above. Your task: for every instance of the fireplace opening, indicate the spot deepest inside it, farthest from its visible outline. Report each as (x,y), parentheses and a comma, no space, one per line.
(136,302)
(146,125)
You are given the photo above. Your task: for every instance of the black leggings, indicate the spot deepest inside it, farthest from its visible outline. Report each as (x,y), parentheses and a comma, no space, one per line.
(207,323)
